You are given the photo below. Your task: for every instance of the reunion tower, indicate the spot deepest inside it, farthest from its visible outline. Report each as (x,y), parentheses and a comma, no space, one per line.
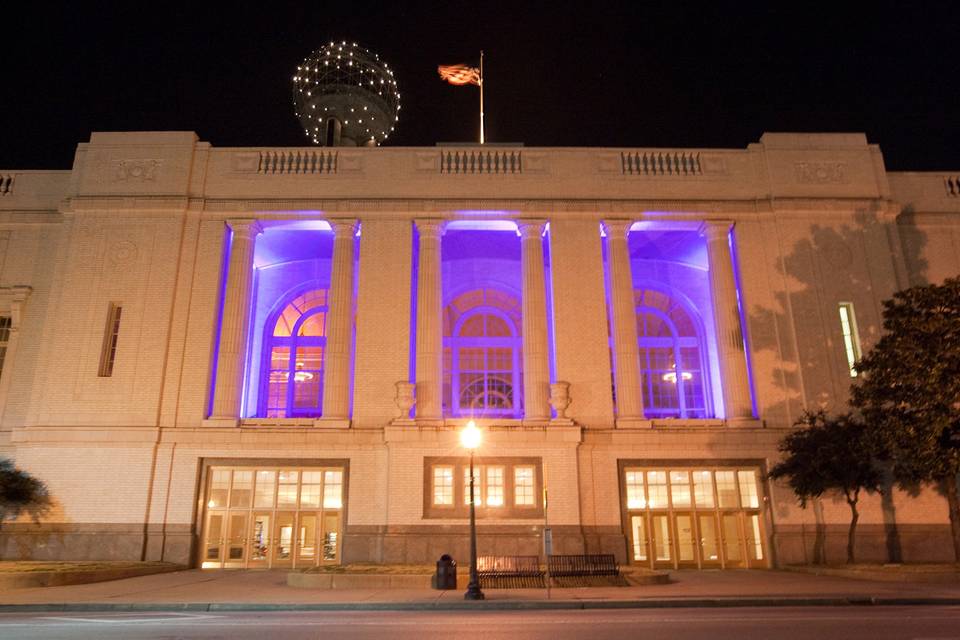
(345,96)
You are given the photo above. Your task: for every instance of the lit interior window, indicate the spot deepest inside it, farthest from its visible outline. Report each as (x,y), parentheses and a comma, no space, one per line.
(851,338)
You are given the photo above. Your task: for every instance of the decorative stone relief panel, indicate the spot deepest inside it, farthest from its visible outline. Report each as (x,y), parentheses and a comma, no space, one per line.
(821,172)
(136,170)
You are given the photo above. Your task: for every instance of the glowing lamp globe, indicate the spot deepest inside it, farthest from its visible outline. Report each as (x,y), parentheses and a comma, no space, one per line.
(470,436)
(345,96)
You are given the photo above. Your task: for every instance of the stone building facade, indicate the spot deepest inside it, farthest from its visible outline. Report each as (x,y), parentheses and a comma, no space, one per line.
(248,357)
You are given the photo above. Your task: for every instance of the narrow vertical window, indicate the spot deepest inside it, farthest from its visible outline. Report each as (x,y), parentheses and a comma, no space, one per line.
(443,486)
(851,337)
(494,486)
(109,351)
(4,339)
(635,493)
(523,486)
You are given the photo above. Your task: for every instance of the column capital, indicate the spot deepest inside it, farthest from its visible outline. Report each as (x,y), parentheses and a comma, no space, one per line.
(715,229)
(343,227)
(617,228)
(430,227)
(245,227)
(531,227)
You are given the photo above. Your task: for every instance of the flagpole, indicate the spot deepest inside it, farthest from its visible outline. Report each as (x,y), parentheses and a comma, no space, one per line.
(481,96)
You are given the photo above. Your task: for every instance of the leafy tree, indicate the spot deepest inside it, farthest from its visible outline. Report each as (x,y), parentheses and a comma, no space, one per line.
(20,492)
(829,454)
(909,390)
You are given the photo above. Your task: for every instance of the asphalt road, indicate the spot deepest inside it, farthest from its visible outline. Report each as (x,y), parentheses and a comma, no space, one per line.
(788,623)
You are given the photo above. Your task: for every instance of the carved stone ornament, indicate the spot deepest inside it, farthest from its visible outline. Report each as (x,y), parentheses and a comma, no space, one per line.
(820,172)
(122,253)
(405,398)
(560,398)
(137,170)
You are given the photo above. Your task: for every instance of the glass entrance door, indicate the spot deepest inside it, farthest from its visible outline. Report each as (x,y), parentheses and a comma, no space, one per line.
(283,539)
(638,538)
(686,545)
(306,547)
(260,541)
(661,540)
(709,540)
(213,549)
(732,540)
(331,538)
(236,541)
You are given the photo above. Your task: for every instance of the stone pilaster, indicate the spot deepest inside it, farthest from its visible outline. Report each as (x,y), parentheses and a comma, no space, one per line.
(336,366)
(536,364)
(726,313)
(429,378)
(623,323)
(234,323)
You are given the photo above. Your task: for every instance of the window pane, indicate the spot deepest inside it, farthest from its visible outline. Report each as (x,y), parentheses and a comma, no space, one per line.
(308,376)
(266,481)
(726,489)
(443,486)
(494,486)
(703,489)
(636,498)
(287,489)
(523,486)
(277,385)
(333,489)
(310,482)
(748,489)
(242,489)
(680,488)
(657,489)
(754,541)
(313,326)
(219,487)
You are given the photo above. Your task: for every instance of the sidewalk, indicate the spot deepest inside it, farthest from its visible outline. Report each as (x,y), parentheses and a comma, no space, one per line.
(267,590)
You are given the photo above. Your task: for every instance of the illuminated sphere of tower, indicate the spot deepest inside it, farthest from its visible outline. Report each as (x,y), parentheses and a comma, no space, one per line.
(345,96)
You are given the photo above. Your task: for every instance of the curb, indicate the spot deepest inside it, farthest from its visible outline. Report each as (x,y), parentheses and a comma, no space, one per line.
(486,605)
(42,579)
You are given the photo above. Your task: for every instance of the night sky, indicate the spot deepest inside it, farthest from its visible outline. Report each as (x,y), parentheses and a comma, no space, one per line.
(638,74)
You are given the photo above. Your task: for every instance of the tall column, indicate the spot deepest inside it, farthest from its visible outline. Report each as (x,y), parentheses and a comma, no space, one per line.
(336,365)
(623,322)
(536,365)
(429,318)
(234,323)
(726,313)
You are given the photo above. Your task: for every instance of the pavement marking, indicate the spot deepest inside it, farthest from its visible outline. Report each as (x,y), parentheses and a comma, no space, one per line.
(129,617)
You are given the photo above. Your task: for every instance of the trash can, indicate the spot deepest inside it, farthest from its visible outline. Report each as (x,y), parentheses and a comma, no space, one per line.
(446,576)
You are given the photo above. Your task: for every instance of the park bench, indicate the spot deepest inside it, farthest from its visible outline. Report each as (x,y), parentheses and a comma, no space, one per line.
(505,572)
(582,566)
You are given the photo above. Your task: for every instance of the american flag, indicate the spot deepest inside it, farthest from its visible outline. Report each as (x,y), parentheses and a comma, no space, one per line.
(459,74)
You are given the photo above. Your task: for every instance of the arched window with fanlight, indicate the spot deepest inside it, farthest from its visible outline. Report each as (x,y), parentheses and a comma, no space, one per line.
(672,357)
(294,345)
(482,355)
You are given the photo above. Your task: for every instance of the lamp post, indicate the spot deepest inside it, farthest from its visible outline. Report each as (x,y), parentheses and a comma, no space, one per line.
(470,439)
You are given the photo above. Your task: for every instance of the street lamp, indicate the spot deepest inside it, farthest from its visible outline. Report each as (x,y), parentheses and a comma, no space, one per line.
(470,439)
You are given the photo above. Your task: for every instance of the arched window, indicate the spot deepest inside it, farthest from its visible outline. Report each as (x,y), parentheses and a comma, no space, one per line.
(672,368)
(294,345)
(482,355)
